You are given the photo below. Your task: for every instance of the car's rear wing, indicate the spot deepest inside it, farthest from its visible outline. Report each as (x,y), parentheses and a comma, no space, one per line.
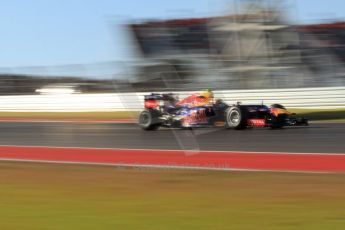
(152,101)
(153,96)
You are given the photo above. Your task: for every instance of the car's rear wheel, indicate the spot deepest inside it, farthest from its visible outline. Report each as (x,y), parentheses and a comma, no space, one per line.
(235,118)
(149,119)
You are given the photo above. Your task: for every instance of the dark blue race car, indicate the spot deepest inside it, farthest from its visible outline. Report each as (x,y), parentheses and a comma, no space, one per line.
(163,110)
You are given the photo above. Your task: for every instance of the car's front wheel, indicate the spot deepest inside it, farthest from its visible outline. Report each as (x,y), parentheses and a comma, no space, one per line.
(235,117)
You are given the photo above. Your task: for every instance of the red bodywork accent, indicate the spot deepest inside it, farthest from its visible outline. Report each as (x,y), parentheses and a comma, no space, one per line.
(276,111)
(151,104)
(193,100)
(257,122)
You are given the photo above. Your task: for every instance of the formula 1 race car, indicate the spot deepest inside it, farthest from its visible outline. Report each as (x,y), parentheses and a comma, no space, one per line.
(198,110)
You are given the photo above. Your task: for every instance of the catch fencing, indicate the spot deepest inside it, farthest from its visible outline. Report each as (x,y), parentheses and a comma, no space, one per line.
(313,98)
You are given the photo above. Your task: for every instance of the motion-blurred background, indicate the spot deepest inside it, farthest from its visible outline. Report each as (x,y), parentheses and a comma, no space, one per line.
(88,56)
(258,44)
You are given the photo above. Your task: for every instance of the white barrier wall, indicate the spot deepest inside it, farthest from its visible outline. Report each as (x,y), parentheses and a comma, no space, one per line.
(333,97)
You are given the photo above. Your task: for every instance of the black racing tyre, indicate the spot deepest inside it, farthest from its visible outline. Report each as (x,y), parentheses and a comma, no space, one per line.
(149,119)
(235,118)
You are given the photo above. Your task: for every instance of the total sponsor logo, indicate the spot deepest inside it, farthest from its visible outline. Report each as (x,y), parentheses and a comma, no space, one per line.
(257,122)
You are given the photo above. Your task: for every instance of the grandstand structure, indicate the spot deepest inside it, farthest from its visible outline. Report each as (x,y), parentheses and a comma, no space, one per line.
(256,48)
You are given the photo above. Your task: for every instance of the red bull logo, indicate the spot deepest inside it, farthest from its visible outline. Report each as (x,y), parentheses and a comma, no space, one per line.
(195,117)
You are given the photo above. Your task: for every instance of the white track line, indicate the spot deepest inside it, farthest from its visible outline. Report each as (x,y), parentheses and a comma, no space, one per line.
(144,166)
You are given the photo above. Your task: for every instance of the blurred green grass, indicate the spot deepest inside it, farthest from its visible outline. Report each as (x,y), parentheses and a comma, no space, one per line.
(321,114)
(49,196)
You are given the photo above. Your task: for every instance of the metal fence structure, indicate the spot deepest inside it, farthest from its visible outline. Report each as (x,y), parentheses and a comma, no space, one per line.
(313,98)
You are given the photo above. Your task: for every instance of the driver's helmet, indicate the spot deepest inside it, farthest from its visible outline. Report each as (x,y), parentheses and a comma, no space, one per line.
(208,94)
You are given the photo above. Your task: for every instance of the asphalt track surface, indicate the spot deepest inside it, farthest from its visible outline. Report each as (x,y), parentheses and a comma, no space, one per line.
(317,138)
